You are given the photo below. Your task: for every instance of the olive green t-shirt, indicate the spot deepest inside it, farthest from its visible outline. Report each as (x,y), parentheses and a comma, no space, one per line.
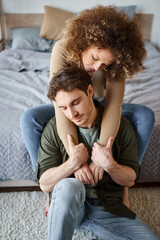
(52,153)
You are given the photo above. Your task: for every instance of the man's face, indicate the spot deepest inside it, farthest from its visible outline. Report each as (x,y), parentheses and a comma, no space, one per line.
(76,105)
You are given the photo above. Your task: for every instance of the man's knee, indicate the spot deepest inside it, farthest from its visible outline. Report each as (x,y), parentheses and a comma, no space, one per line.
(69,190)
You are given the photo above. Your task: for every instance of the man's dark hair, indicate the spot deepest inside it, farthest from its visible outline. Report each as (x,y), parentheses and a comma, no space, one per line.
(68,79)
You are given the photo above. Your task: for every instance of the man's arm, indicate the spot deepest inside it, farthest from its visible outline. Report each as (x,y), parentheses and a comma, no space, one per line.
(84,174)
(53,175)
(78,156)
(121,174)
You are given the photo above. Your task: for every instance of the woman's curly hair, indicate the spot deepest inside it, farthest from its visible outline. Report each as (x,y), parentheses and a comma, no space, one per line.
(108,28)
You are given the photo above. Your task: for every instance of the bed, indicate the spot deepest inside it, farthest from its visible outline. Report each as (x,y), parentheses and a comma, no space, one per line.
(24,79)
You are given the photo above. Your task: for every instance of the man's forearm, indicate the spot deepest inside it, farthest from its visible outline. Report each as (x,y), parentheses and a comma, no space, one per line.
(102,157)
(122,175)
(53,175)
(78,156)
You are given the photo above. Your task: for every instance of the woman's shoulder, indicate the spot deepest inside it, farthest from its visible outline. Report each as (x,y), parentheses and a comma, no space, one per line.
(58,47)
(58,58)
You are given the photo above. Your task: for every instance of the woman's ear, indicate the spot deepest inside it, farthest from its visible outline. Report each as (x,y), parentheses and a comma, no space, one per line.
(90,91)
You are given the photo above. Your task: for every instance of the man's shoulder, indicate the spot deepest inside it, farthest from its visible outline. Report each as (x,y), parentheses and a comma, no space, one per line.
(126,129)
(51,123)
(125,122)
(50,129)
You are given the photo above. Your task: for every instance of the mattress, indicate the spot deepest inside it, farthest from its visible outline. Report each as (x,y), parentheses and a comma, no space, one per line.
(24,81)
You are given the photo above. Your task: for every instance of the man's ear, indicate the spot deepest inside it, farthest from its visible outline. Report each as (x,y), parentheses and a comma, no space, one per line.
(90,90)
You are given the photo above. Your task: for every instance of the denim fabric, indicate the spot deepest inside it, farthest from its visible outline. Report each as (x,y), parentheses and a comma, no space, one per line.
(66,209)
(69,210)
(35,119)
(142,119)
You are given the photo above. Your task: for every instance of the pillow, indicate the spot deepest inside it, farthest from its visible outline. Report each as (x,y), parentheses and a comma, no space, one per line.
(29,39)
(129,10)
(54,23)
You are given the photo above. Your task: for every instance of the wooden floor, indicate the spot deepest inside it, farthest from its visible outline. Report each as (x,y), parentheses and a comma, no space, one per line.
(37,188)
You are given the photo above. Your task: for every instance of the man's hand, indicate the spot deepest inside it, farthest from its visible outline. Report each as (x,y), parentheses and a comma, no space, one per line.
(102,156)
(78,153)
(84,174)
(120,174)
(96,171)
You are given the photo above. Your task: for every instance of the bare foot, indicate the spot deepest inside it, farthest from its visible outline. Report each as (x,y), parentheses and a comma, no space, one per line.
(126,198)
(47,206)
(127,203)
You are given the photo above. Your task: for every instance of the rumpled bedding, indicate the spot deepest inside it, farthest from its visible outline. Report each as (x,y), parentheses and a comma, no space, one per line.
(19,60)
(145,86)
(24,81)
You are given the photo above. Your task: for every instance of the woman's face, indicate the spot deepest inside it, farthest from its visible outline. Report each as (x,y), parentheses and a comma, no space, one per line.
(96,59)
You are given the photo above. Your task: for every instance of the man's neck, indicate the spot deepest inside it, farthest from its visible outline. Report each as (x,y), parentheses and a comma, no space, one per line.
(92,118)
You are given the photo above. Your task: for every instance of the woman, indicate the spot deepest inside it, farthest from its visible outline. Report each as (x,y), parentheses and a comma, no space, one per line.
(108,45)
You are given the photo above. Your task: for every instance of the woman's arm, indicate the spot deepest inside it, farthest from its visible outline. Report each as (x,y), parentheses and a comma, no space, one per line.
(64,125)
(111,116)
(112,112)
(58,58)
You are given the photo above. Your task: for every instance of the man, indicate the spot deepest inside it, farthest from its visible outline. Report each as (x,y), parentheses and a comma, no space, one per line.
(86,188)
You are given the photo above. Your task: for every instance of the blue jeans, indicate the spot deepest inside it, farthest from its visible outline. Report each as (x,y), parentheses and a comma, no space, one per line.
(35,119)
(69,209)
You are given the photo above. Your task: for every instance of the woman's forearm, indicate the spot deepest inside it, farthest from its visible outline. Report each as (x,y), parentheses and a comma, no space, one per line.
(112,112)
(110,123)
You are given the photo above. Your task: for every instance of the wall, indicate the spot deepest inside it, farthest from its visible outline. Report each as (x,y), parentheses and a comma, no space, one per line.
(37,6)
